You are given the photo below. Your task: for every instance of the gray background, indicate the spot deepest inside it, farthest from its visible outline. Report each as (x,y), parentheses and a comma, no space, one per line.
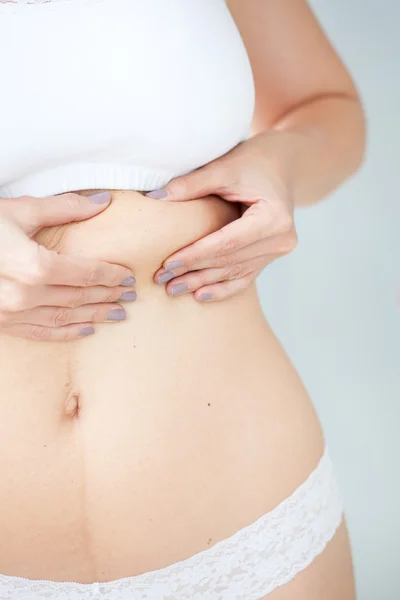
(335,302)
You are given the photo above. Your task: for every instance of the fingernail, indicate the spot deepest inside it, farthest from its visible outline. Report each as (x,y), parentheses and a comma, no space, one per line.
(101,197)
(174,265)
(166,276)
(158,194)
(179,288)
(86,331)
(116,315)
(205,297)
(129,281)
(128,297)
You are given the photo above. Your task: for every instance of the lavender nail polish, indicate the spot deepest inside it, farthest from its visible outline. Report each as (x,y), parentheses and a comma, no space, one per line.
(161,194)
(164,277)
(117,314)
(174,265)
(100,198)
(179,288)
(128,297)
(86,331)
(205,297)
(128,281)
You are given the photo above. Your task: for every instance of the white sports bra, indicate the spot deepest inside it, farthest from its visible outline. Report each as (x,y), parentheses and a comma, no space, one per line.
(117,94)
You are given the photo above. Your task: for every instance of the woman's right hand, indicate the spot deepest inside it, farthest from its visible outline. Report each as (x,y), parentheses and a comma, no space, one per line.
(49,296)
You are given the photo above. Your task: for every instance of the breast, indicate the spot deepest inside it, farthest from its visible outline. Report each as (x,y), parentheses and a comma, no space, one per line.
(119,94)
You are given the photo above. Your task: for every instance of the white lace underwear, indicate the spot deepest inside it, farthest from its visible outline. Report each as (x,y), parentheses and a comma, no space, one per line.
(246,566)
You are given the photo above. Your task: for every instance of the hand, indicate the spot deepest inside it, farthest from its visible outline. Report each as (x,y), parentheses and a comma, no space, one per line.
(255,173)
(50,296)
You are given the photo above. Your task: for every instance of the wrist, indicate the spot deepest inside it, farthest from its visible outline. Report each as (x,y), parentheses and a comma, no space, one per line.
(283,151)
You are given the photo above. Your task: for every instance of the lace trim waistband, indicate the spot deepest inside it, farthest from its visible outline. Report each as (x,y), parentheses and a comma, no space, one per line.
(246,566)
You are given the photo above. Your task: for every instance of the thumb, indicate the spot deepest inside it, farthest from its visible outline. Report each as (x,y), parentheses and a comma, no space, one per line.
(197,184)
(32,214)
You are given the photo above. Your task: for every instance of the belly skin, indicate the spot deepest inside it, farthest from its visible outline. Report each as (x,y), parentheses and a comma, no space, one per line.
(192,422)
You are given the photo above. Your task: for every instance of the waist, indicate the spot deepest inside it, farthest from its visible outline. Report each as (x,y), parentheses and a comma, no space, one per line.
(184,409)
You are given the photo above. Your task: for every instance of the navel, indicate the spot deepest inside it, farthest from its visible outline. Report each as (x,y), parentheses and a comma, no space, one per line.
(72,405)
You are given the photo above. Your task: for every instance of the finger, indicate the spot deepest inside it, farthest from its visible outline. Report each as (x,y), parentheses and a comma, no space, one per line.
(15,297)
(274,246)
(224,290)
(52,316)
(65,269)
(32,214)
(194,280)
(250,228)
(73,297)
(49,334)
(201,182)
(33,264)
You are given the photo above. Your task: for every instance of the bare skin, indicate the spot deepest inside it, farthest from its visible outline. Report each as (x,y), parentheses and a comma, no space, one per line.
(135,440)
(187,421)
(49,296)
(309,136)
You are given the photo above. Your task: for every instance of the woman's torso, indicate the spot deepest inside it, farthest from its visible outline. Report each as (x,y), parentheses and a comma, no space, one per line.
(191,422)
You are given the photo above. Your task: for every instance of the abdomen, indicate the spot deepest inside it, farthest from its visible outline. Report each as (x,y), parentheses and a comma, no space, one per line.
(192,422)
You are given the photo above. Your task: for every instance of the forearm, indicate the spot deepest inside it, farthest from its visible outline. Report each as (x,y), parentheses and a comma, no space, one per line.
(320,144)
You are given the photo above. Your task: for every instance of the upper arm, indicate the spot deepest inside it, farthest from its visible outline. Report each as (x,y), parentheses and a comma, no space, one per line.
(292,59)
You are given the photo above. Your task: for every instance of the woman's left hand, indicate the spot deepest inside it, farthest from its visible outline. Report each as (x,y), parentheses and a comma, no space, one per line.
(257,174)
